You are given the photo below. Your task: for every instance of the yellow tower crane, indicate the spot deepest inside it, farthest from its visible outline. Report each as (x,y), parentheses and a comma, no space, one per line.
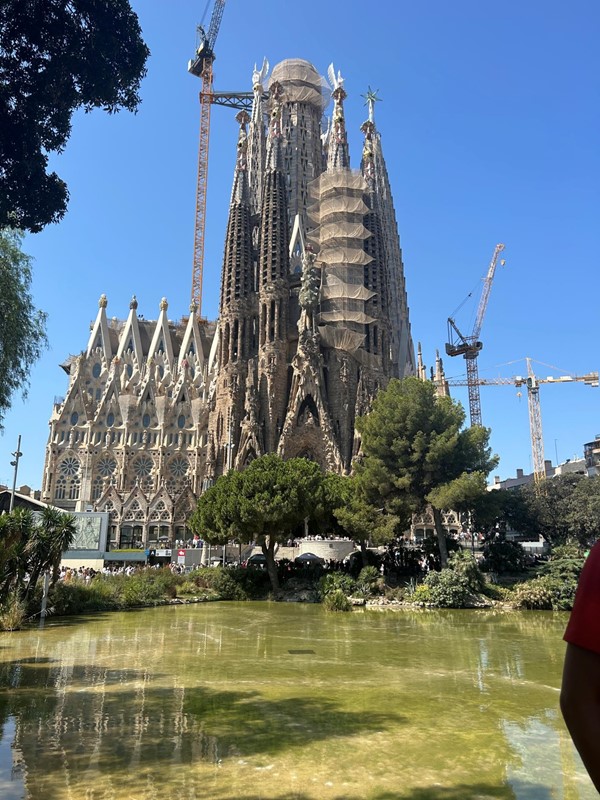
(532,382)
(469,346)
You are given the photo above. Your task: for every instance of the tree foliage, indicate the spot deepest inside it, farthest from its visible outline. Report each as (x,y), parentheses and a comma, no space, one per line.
(361,521)
(57,57)
(416,451)
(29,547)
(22,327)
(264,504)
(564,508)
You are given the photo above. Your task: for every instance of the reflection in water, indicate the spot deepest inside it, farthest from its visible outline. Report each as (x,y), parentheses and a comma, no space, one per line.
(230,700)
(12,784)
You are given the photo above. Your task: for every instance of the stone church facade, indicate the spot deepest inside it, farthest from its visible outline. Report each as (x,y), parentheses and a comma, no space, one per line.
(313,321)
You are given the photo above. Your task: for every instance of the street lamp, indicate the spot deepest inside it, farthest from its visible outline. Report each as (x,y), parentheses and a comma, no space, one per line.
(17,455)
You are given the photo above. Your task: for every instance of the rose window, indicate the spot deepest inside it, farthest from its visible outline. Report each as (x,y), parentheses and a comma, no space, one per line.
(69,467)
(143,466)
(106,466)
(178,467)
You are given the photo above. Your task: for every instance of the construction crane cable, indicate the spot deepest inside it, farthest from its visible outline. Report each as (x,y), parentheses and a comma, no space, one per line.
(204,13)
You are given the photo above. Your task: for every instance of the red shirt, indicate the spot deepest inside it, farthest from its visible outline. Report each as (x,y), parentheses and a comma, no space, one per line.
(584,624)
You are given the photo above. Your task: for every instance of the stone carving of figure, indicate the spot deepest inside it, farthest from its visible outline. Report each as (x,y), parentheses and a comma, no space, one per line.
(309,292)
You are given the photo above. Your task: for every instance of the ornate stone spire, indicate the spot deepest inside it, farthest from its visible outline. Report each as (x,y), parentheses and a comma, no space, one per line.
(256,137)
(274,239)
(375,172)
(338,156)
(239,193)
(99,336)
(421,371)
(274,161)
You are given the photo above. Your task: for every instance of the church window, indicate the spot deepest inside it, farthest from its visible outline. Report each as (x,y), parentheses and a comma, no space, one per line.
(191,349)
(69,467)
(181,421)
(161,347)
(146,420)
(130,346)
(143,466)
(74,418)
(61,489)
(96,369)
(129,370)
(97,487)
(110,419)
(146,485)
(178,467)
(161,371)
(74,488)
(106,466)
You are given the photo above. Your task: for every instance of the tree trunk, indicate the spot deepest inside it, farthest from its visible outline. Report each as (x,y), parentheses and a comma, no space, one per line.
(268,548)
(363,553)
(441,537)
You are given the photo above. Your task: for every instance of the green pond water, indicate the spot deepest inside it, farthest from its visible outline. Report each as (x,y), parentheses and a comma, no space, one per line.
(263,700)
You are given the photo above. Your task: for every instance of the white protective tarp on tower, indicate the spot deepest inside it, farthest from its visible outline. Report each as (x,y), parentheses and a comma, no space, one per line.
(337,210)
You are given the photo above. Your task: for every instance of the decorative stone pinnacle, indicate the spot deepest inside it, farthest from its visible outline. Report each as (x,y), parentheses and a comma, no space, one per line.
(370,99)
(103,302)
(193,308)
(134,303)
(164,304)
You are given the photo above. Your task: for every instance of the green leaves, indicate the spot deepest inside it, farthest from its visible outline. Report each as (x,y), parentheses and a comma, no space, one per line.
(30,546)
(415,445)
(566,507)
(416,451)
(56,57)
(265,503)
(22,327)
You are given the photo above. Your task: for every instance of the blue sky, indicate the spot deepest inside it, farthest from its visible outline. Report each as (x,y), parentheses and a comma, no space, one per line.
(489,119)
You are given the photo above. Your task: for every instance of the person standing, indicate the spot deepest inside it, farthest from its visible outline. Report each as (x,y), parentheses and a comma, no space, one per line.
(580,690)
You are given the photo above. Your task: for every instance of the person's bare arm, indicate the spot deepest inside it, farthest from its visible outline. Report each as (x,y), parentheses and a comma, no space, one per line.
(580,705)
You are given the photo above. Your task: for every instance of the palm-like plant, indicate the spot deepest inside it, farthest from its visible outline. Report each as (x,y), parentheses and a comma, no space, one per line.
(30,546)
(15,532)
(52,535)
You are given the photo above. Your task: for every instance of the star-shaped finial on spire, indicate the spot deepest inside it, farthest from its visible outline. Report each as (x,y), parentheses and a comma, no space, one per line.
(370,99)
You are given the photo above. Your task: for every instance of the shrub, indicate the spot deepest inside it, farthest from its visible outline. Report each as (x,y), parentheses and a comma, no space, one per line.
(189,587)
(533,595)
(74,597)
(421,594)
(226,586)
(449,589)
(251,584)
(462,562)
(502,556)
(545,593)
(337,581)
(399,593)
(495,592)
(369,577)
(337,601)
(566,563)
(12,614)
